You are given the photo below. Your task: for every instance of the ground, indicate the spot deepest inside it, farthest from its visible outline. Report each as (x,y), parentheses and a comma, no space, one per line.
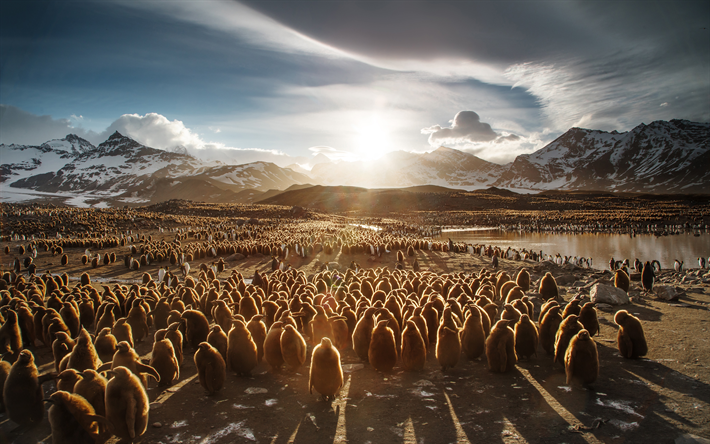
(654,399)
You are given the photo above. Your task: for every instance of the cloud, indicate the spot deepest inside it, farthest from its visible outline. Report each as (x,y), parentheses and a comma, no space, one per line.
(466,127)
(21,127)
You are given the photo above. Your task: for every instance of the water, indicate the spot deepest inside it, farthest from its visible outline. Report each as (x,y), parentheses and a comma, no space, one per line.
(600,247)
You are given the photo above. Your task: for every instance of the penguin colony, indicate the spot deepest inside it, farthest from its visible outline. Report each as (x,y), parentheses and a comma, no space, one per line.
(389,318)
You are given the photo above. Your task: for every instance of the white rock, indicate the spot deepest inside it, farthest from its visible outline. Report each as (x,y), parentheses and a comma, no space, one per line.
(665,292)
(608,294)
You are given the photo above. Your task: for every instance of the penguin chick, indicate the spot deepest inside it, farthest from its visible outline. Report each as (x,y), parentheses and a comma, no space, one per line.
(326,372)
(500,348)
(630,339)
(382,352)
(526,338)
(582,359)
(413,348)
(211,368)
(127,404)
(293,347)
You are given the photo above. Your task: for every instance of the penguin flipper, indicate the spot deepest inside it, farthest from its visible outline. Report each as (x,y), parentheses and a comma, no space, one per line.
(142,368)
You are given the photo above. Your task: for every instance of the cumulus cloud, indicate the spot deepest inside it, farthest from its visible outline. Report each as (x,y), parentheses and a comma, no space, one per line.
(465,127)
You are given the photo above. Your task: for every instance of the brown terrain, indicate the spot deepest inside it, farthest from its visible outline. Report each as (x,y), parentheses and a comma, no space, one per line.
(655,399)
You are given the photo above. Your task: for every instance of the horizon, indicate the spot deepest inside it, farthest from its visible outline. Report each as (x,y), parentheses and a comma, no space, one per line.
(252,81)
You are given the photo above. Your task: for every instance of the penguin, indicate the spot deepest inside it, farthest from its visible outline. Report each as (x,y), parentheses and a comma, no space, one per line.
(500,348)
(326,372)
(588,318)
(196,327)
(293,347)
(548,329)
(175,336)
(678,266)
(164,362)
(127,404)
(569,327)
(218,339)
(362,335)
(73,419)
(138,320)
(473,335)
(105,344)
(22,392)
(621,280)
(211,368)
(582,359)
(66,380)
(647,277)
(448,347)
(257,328)
(413,348)
(92,387)
(122,331)
(4,372)
(382,352)
(522,280)
(272,346)
(61,347)
(631,339)
(10,335)
(84,354)
(548,287)
(242,351)
(526,338)
(572,308)
(125,356)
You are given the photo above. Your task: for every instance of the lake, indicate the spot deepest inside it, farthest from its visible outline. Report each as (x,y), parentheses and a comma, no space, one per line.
(600,247)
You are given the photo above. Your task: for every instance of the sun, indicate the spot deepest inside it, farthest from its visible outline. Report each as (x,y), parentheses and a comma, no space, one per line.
(372,138)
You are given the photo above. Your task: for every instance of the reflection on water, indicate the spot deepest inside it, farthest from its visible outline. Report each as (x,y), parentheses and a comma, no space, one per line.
(600,247)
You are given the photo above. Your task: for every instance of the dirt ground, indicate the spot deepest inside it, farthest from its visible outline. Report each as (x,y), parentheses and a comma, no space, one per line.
(651,400)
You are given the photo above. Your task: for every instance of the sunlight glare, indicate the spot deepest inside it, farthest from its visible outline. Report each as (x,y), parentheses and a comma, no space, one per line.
(372,138)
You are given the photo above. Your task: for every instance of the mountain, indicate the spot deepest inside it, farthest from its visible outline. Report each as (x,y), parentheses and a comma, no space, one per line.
(662,157)
(122,170)
(445,167)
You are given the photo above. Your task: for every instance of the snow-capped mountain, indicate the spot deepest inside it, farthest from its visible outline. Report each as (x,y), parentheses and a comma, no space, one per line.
(122,169)
(662,157)
(445,167)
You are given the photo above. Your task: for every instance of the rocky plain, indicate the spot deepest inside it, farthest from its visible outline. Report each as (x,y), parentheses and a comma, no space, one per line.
(663,397)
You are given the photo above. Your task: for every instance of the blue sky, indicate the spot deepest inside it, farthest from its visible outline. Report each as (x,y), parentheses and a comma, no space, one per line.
(285,80)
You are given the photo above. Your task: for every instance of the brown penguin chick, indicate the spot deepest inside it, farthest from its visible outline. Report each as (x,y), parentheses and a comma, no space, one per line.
(73,419)
(526,338)
(242,352)
(61,347)
(500,348)
(588,318)
(293,347)
(160,314)
(218,339)
(67,379)
(473,336)
(175,336)
(631,339)
(196,327)
(548,329)
(107,318)
(523,280)
(582,359)
(382,353)
(222,314)
(247,307)
(431,316)
(448,347)
(257,328)
(545,307)
(492,312)
(138,320)
(421,325)
(521,306)
(510,313)
(92,387)
(10,336)
(122,331)
(163,360)
(4,372)
(70,316)
(505,289)
(569,327)
(211,368)
(319,327)
(326,372)
(341,333)
(362,335)
(548,287)
(413,348)
(105,344)
(621,280)
(127,404)
(84,354)
(572,308)
(22,392)
(272,346)
(515,294)
(125,356)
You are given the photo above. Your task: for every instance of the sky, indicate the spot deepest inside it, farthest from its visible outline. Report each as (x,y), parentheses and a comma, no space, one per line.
(284,81)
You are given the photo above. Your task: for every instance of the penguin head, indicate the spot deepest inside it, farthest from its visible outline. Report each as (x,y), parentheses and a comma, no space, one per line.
(325,343)
(583,335)
(620,316)
(123,346)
